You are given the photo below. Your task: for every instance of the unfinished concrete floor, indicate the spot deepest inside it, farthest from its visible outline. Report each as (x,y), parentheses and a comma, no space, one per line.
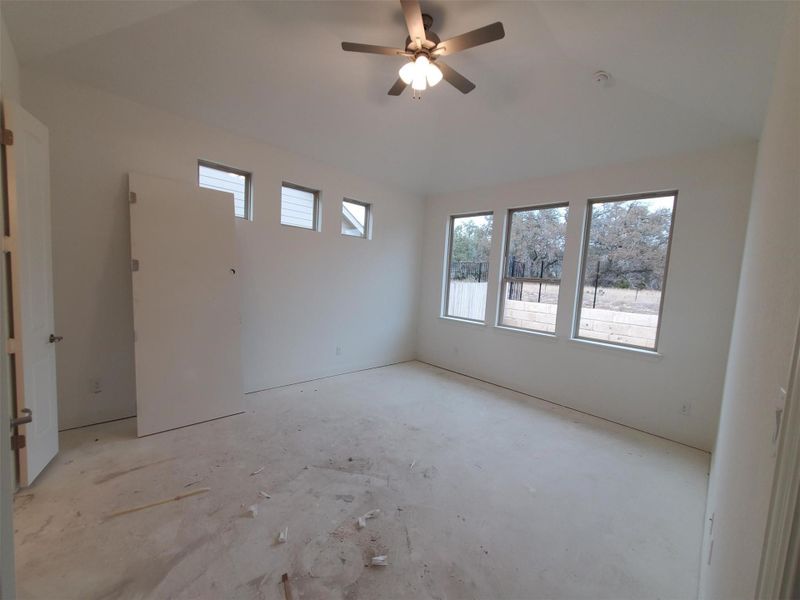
(508,497)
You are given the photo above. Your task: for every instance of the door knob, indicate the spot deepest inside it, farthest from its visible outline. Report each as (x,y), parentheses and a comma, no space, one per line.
(54,338)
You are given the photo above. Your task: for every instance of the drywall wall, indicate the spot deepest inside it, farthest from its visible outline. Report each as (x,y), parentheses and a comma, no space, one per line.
(9,67)
(303,293)
(761,345)
(636,389)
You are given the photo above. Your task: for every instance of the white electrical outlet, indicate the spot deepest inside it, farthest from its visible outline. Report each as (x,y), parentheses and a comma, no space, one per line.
(339,350)
(97,386)
(686,408)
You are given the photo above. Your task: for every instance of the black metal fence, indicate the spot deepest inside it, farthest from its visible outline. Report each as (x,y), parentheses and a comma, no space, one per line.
(602,275)
(519,268)
(469,271)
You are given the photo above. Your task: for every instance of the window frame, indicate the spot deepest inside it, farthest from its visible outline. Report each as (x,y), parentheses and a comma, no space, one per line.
(449,259)
(582,268)
(504,278)
(248,184)
(367,219)
(316,211)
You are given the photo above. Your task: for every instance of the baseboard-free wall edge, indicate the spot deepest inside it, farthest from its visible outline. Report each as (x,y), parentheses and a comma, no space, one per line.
(73,427)
(360,370)
(577,410)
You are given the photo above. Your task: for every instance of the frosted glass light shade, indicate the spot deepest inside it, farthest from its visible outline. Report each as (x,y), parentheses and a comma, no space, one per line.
(433,74)
(407,72)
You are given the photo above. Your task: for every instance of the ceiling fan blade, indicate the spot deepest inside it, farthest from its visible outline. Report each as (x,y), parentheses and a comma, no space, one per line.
(413,15)
(456,79)
(370,49)
(476,37)
(398,87)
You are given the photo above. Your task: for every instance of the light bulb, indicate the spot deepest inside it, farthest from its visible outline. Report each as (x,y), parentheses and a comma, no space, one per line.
(407,72)
(433,74)
(421,64)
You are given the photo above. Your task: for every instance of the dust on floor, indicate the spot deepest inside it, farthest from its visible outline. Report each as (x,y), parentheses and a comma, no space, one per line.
(482,493)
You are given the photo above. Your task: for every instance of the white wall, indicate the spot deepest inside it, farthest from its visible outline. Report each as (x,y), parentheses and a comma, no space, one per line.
(761,344)
(304,293)
(629,387)
(9,67)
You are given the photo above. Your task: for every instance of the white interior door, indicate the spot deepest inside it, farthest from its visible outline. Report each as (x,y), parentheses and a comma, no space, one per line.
(28,161)
(185,304)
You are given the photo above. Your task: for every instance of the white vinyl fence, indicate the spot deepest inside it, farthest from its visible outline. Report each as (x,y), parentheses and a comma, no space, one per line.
(467,300)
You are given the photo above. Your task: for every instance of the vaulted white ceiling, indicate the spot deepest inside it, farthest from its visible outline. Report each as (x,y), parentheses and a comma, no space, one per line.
(686,76)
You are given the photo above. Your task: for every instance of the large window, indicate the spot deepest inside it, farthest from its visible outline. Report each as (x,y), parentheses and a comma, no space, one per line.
(625,256)
(299,207)
(356,219)
(227,179)
(535,240)
(470,241)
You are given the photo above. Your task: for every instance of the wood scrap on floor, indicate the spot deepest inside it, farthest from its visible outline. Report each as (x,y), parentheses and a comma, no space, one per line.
(287,587)
(126,511)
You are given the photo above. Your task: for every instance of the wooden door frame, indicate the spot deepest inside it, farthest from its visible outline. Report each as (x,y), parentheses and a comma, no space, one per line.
(14,343)
(8,477)
(779,569)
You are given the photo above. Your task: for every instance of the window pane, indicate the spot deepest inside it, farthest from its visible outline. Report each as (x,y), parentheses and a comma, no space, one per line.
(226,181)
(354,219)
(536,240)
(298,207)
(624,265)
(471,241)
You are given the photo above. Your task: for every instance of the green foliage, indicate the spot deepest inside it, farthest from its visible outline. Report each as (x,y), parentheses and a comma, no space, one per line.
(537,240)
(629,240)
(472,239)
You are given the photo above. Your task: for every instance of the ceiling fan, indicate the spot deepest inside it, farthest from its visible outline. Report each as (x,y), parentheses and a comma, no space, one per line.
(424,50)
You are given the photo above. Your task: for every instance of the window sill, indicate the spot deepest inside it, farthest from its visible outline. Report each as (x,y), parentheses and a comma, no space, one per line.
(515,330)
(462,321)
(650,354)
(300,227)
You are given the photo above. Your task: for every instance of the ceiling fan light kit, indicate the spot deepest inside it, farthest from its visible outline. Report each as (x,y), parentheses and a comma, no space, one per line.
(420,73)
(424,50)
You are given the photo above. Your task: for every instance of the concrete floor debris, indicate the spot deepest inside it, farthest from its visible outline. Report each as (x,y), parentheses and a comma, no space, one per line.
(379,561)
(361,522)
(617,513)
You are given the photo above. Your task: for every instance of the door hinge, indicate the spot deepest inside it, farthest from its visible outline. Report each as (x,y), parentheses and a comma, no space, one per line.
(132,197)
(7,138)
(17,441)
(134,265)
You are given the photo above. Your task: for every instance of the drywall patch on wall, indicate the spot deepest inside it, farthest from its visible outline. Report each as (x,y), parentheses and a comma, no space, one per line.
(761,345)
(304,294)
(632,388)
